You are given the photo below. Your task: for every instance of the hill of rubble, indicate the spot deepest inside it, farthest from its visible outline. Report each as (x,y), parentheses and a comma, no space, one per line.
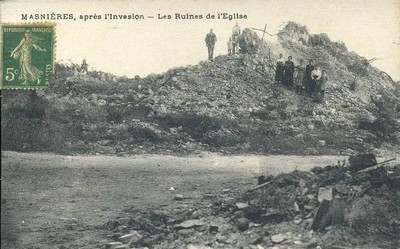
(229,105)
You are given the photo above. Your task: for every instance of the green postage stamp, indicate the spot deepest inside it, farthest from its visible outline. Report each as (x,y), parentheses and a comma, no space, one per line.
(27,55)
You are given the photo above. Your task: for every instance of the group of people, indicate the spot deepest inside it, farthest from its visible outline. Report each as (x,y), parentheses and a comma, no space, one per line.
(233,43)
(309,77)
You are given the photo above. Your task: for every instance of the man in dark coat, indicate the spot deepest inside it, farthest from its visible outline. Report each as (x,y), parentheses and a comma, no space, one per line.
(308,81)
(211,39)
(289,71)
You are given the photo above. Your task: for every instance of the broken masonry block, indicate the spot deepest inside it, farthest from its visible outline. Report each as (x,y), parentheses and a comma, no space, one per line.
(362,161)
(325,194)
(318,222)
(338,210)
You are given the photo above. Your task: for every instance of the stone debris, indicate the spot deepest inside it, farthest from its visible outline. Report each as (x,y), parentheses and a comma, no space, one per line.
(318,222)
(113,245)
(126,238)
(178,197)
(190,224)
(278,238)
(243,224)
(241,205)
(122,247)
(362,161)
(191,246)
(213,228)
(325,194)
(132,237)
(338,211)
(321,142)
(294,209)
(195,215)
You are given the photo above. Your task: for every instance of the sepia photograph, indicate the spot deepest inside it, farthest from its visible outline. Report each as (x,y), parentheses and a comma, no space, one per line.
(172,124)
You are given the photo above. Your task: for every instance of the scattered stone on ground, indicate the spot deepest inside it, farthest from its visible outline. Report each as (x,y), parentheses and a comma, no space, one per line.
(178,197)
(278,238)
(329,205)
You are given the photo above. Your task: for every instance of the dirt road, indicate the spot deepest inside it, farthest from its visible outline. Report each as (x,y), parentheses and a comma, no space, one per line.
(53,201)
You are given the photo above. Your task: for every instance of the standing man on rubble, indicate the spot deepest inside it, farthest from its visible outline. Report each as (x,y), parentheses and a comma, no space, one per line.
(235,38)
(211,39)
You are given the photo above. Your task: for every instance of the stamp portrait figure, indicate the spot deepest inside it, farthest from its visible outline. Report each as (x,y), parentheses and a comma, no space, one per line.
(23,53)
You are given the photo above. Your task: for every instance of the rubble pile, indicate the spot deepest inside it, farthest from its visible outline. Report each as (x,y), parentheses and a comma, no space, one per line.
(249,42)
(339,206)
(295,32)
(230,105)
(330,196)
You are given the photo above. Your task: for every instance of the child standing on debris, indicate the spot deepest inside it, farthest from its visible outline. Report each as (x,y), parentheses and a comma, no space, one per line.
(230,46)
(280,70)
(301,71)
(322,84)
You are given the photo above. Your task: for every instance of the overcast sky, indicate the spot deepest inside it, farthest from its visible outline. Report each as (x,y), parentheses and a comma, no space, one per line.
(139,47)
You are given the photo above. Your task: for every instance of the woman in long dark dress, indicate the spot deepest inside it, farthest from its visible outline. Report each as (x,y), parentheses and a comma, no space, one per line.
(308,80)
(280,69)
(301,71)
(289,71)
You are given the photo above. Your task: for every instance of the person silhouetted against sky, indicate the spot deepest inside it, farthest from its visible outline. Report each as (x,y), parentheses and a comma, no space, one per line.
(235,38)
(211,39)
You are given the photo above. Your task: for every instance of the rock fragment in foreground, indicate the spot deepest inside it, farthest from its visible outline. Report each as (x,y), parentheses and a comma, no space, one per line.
(189,224)
(113,245)
(278,238)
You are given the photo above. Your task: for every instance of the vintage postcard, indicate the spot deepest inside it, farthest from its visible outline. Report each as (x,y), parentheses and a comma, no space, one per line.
(200,124)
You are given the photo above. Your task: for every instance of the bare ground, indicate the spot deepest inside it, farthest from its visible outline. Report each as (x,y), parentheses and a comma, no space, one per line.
(53,201)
